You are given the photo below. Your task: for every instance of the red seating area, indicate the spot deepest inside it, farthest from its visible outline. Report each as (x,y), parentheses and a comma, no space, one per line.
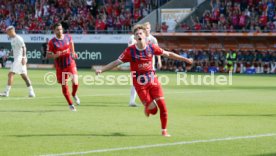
(236,16)
(77,16)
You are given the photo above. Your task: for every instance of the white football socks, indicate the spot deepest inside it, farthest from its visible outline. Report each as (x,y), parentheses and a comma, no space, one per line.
(8,89)
(132,95)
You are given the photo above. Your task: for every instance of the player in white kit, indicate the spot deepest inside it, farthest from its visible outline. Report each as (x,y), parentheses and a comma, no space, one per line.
(19,63)
(151,40)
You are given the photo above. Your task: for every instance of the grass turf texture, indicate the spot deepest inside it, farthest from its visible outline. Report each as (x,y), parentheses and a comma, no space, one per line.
(44,125)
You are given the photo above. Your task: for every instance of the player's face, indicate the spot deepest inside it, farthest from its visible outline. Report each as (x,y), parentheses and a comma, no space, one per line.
(10,32)
(59,31)
(140,35)
(148,28)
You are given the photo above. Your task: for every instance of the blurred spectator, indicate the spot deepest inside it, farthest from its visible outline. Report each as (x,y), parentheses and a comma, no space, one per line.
(164,27)
(196,24)
(110,23)
(44,52)
(184,27)
(3,56)
(89,4)
(158,27)
(231,58)
(273,62)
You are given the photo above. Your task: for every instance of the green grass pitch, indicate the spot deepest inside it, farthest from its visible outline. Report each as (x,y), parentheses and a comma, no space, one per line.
(201,118)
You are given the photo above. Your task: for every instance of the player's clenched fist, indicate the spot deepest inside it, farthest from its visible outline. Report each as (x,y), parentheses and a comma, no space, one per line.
(190,61)
(98,71)
(74,56)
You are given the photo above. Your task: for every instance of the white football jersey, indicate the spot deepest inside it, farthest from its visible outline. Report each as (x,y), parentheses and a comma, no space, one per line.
(17,44)
(152,40)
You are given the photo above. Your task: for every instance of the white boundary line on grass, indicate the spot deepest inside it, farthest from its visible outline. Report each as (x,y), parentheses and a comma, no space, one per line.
(164,145)
(53,97)
(95,95)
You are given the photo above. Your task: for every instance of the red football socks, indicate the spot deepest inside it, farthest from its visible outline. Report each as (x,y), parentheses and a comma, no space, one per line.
(66,94)
(163,112)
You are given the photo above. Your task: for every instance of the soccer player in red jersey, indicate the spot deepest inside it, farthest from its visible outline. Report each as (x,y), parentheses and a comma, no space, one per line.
(61,49)
(144,79)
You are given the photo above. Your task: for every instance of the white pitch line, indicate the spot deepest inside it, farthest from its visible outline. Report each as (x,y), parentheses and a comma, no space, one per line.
(95,95)
(164,145)
(53,97)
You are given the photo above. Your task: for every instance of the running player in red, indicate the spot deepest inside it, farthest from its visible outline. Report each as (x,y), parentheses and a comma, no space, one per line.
(61,49)
(144,79)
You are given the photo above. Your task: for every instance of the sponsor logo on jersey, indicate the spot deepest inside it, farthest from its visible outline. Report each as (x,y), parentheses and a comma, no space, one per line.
(143,65)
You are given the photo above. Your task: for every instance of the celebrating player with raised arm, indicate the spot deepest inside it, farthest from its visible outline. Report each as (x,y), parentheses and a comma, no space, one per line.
(61,49)
(149,40)
(144,79)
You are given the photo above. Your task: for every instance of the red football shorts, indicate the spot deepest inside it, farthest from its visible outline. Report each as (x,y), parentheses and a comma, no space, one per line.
(150,91)
(64,74)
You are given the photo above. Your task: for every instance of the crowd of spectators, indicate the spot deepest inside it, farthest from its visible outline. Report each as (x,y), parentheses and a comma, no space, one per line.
(103,16)
(77,16)
(236,16)
(85,16)
(237,61)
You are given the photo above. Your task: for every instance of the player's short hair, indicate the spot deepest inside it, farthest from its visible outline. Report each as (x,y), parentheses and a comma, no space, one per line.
(57,25)
(10,28)
(139,26)
(147,23)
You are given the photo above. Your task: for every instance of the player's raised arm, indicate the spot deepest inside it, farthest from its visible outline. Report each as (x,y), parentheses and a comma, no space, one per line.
(174,56)
(159,62)
(109,66)
(124,57)
(171,55)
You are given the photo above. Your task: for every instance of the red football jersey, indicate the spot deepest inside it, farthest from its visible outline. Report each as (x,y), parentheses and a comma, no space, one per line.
(63,47)
(140,60)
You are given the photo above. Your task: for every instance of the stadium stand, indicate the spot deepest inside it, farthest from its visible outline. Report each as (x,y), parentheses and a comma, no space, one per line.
(226,16)
(77,16)
(118,16)
(232,16)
